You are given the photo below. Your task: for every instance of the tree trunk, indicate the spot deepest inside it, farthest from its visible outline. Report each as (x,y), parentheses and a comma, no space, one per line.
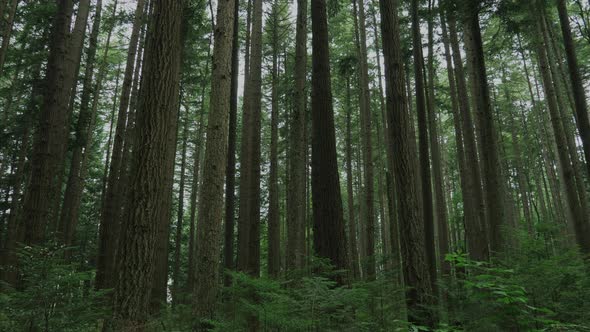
(211,200)
(111,214)
(580,219)
(581,107)
(274,226)
(437,165)
(475,221)
(366,139)
(249,215)
(150,171)
(494,185)
(415,269)
(230,174)
(47,156)
(353,251)
(425,175)
(469,208)
(84,134)
(296,195)
(329,239)
(393,232)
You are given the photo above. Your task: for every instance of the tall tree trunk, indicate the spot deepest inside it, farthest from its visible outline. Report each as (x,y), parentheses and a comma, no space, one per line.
(353,250)
(196,167)
(110,139)
(74,58)
(211,200)
(296,195)
(84,133)
(494,185)
(111,214)
(393,222)
(197,164)
(437,164)
(230,174)
(581,107)
(425,175)
(475,221)
(366,139)
(566,119)
(580,219)
(329,239)
(469,209)
(249,215)
(46,160)
(415,269)
(157,116)
(274,226)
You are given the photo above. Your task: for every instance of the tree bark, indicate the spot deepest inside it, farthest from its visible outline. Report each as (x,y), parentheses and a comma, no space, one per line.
(157,117)
(249,215)
(366,139)
(415,267)
(230,174)
(580,219)
(329,239)
(425,175)
(296,195)
(211,200)
(111,214)
(352,227)
(475,221)
(494,185)
(47,156)
(274,226)
(84,134)
(437,164)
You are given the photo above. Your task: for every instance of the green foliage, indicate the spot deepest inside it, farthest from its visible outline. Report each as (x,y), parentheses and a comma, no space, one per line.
(55,295)
(494,298)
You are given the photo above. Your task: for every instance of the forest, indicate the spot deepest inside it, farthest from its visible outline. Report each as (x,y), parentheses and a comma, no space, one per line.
(294,165)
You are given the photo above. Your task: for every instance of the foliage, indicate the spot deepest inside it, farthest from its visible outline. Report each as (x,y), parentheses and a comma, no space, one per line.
(56,295)
(489,297)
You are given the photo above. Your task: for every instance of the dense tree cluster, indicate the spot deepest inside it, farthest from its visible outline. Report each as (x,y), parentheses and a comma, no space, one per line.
(276,165)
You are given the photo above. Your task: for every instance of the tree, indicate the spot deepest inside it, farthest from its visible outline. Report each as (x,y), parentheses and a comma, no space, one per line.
(581,107)
(329,240)
(437,166)
(366,138)
(157,116)
(84,132)
(274,226)
(47,157)
(424,149)
(211,202)
(493,183)
(415,266)
(475,212)
(111,212)
(230,174)
(296,195)
(579,215)
(249,215)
